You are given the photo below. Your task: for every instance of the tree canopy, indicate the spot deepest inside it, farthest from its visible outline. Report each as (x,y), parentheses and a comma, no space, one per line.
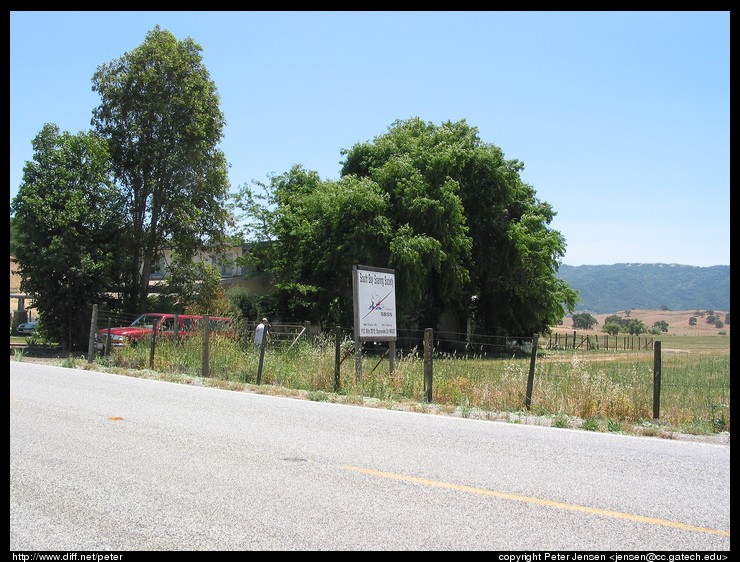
(67,224)
(160,114)
(504,276)
(447,212)
(583,321)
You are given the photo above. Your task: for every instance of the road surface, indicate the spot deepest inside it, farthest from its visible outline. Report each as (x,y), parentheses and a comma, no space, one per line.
(105,462)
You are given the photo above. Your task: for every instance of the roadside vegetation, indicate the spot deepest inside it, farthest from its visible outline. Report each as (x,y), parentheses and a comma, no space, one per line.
(594,390)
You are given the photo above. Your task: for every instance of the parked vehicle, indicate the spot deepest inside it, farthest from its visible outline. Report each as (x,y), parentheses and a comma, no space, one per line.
(27,328)
(164,324)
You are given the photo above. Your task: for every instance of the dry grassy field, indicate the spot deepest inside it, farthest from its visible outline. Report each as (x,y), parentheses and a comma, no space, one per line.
(677,320)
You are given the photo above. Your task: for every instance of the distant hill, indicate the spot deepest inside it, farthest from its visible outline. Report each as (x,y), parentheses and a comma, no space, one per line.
(626,286)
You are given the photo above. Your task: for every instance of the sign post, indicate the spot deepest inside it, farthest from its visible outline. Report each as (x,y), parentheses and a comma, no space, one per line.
(374,292)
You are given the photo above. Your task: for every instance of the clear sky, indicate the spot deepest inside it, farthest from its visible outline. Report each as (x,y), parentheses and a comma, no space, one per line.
(622,119)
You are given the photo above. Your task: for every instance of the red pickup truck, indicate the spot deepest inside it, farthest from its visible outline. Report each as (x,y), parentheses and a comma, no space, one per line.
(164,324)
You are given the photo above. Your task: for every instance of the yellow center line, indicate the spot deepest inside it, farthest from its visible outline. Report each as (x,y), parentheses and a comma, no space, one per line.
(538,501)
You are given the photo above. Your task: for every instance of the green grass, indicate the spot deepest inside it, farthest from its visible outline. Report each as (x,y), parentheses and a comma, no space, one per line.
(607,390)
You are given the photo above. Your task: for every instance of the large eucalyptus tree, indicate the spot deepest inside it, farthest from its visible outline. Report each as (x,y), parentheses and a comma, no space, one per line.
(160,114)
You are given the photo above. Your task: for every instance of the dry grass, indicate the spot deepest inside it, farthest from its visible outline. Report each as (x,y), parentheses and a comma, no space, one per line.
(677,320)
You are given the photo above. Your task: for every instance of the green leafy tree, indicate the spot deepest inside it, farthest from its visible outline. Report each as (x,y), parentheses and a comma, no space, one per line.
(245,304)
(692,321)
(616,319)
(314,234)
(68,223)
(445,211)
(468,234)
(160,112)
(583,321)
(662,325)
(196,283)
(615,324)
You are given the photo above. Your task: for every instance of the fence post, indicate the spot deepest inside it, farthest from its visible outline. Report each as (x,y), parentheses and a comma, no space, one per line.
(262,355)
(91,338)
(206,334)
(152,345)
(358,358)
(530,378)
(177,327)
(337,361)
(428,373)
(108,340)
(656,381)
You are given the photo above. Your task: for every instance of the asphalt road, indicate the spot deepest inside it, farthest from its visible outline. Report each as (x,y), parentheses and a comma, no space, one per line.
(105,462)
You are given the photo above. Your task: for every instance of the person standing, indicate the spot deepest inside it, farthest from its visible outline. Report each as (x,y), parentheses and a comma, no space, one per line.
(261,332)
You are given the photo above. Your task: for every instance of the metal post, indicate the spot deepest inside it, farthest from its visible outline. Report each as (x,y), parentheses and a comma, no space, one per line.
(656,381)
(262,356)
(206,335)
(337,361)
(358,358)
(152,345)
(428,373)
(108,342)
(530,378)
(93,329)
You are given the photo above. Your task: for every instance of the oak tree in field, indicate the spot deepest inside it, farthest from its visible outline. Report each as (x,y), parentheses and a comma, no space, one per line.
(583,321)
(662,325)
(160,114)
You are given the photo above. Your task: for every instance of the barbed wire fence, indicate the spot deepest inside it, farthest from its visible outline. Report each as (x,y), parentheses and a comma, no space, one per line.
(625,378)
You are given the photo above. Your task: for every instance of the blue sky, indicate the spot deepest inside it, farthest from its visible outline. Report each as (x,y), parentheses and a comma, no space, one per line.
(622,119)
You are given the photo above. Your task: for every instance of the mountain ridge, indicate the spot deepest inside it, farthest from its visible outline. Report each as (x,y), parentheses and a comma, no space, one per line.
(632,285)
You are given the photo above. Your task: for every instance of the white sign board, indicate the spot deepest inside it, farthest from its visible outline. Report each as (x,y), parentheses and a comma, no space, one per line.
(375,303)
